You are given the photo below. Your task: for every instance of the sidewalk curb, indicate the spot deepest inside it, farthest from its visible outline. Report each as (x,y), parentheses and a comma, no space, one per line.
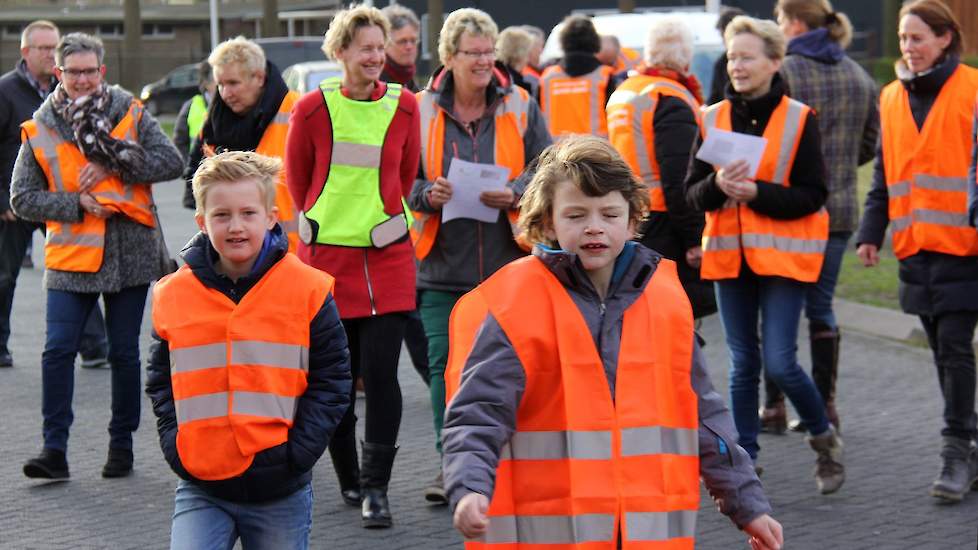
(880,321)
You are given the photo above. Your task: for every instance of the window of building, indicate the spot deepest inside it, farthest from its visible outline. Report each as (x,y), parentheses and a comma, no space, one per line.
(12,30)
(157,30)
(109,30)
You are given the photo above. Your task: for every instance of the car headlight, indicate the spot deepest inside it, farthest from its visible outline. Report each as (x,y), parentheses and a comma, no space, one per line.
(144,95)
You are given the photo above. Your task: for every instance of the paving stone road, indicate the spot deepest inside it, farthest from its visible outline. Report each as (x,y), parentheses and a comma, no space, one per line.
(888,399)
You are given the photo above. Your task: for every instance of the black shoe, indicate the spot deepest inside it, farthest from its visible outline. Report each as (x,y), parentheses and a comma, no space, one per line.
(119,463)
(435,491)
(50,464)
(959,473)
(343,451)
(6,360)
(94,362)
(375,475)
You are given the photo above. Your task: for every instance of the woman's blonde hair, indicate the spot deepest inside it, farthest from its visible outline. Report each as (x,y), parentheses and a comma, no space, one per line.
(238,51)
(593,166)
(345,24)
(465,20)
(817,14)
(768,31)
(234,167)
(513,46)
(669,44)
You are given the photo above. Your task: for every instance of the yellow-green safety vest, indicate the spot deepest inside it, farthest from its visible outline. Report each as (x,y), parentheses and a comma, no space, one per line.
(196,116)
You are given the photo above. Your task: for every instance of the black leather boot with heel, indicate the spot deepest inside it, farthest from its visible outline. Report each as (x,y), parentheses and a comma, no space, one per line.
(375,475)
(343,451)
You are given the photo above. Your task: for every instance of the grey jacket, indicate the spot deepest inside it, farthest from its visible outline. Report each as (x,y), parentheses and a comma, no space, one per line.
(466,251)
(482,416)
(132,250)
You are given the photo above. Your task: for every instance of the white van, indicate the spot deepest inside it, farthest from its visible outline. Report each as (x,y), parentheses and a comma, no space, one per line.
(632,30)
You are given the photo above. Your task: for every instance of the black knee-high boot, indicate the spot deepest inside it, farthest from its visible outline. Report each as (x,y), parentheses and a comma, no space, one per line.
(343,451)
(375,475)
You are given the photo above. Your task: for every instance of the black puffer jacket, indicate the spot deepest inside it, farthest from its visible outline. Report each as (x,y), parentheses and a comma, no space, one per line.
(931,283)
(281,470)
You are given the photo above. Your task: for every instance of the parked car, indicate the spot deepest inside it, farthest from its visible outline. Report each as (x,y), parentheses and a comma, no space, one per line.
(303,77)
(167,94)
(284,51)
(632,31)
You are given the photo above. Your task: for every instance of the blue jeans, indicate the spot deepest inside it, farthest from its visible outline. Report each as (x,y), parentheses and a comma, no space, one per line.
(67,313)
(201,521)
(818,297)
(777,303)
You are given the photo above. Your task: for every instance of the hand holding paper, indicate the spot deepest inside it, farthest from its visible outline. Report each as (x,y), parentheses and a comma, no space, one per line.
(468,182)
(721,148)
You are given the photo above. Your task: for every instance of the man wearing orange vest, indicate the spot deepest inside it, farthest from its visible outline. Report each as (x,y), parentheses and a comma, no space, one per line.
(573,94)
(249,372)
(250,113)
(551,436)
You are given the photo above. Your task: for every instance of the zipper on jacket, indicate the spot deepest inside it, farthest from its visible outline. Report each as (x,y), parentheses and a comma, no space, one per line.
(370,288)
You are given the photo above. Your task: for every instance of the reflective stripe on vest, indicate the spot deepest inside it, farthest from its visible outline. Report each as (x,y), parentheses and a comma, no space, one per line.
(558,477)
(79,247)
(787,248)
(926,169)
(575,104)
(631,127)
(510,123)
(237,377)
(350,204)
(196,116)
(272,144)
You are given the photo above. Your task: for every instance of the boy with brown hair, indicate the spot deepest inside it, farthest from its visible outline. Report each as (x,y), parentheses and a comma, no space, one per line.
(580,410)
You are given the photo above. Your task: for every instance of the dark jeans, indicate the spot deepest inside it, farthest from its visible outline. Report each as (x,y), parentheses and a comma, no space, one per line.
(949,336)
(66,316)
(375,349)
(417,344)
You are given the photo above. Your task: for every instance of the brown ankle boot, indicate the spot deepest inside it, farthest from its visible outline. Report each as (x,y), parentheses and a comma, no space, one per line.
(774,418)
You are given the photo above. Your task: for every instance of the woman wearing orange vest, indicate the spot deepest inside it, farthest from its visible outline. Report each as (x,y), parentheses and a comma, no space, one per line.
(470,111)
(920,190)
(653,119)
(250,113)
(550,435)
(89,156)
(765,237)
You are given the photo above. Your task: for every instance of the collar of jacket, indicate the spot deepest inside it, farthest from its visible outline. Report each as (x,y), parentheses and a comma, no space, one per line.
(579,63)
(930,81)
(21,69)
(816,45)
(443,83)
(243,132)
(633,269)
(759,108)
(200,255)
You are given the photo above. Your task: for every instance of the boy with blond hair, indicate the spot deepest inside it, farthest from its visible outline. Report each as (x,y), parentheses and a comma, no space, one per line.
(249,371)
(580,409)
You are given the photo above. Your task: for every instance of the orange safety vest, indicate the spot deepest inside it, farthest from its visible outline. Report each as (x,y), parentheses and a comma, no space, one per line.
(631,110)
(926,170)
(530,71)
(627,60)
(237,369)
(510,125)
(575,104)
(786,248)
(582,467)
(79,246)
(272,144)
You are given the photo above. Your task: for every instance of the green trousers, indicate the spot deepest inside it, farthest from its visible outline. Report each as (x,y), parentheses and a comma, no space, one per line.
(435,308)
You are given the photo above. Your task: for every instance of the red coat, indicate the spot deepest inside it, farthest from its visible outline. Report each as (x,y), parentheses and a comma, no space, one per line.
(369,281)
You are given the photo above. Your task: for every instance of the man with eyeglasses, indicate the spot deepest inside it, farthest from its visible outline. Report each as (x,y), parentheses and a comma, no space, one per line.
(402,46)
(21,92)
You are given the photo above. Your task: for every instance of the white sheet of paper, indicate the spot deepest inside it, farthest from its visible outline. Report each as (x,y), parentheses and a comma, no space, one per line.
(721,147)
(468,180)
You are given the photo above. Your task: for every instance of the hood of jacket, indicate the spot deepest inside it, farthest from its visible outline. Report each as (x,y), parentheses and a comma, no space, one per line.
(817,45)
(634,267)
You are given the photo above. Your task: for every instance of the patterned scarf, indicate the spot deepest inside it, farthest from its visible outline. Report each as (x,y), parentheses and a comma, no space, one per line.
(92,130)
(688,81)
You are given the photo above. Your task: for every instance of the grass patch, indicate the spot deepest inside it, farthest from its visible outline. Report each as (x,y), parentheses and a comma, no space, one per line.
(167,126)
(875,286)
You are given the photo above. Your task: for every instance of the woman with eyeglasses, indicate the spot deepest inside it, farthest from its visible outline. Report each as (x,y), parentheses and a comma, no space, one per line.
(471,111)
(90,155)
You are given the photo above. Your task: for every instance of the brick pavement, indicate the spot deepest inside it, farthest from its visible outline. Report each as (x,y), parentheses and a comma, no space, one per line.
(888,399)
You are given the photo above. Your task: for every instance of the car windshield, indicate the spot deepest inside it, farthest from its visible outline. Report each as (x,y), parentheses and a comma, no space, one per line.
(315,77)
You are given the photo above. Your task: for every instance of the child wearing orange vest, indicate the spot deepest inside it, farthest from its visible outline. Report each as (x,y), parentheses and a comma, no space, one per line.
(249,371)
(580,413)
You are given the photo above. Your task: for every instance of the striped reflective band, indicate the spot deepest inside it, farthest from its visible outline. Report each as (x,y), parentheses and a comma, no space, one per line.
(938,183)
(658,526)
(640,104)
(207,356)
(550,529)
(77,239)
(211,405)
(558,445)
(47,141)
(263,404)
(721,243)
(789,134)
(783,244)
(710,117)
(936,217)
(674,87)
(289,226)
(653,440)
(356,154)
(898,189)
(281,118)
(269,354)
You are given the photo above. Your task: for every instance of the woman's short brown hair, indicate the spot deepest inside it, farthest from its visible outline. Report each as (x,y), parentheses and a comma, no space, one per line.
(590,163)
(939,18)
(345,24)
